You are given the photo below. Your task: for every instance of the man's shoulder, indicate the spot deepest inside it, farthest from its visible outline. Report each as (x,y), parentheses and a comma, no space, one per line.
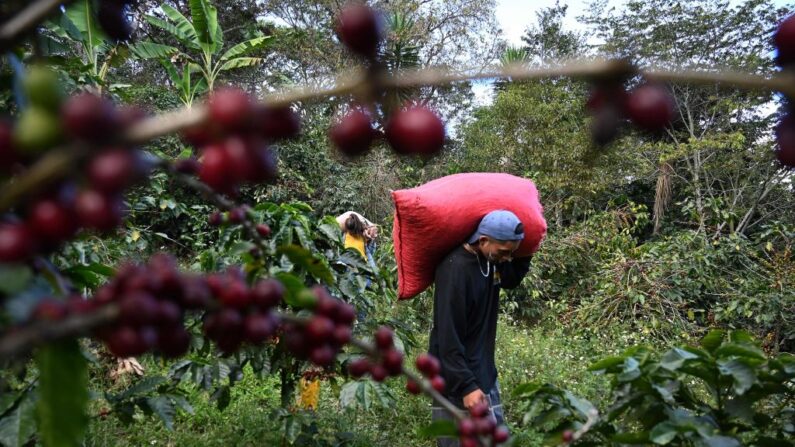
(457,256)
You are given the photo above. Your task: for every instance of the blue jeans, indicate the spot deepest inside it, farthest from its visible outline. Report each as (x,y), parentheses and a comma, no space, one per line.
(495,407)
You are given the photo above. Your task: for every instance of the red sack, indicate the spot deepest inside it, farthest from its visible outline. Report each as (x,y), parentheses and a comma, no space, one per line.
(434,218)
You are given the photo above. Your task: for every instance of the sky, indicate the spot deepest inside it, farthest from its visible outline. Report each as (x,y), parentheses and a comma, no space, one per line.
(514,16)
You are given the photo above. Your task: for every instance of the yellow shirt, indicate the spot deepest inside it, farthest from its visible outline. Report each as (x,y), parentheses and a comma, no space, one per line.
(356,242)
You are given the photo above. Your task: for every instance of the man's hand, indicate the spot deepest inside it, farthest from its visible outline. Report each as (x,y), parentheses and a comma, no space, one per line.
(473,398)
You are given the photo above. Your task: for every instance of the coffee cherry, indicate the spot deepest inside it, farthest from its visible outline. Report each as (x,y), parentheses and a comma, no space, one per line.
(353,133)
(230,342)
(344,313)
(98,211)
(236,295)
(230,108)
(326,305)
(466,428)
(415,130)
(8,155)
(606,95)
(112,20)
(469,442)
(393,362)
(785,137)
(428,365)
(89,117)
(383,338)
(112,171)
(78,305)
(605,125)
(37,130)
(49,309)
(784,39)
(168,314)
(126,342)
(52,221)
(230,321)
(359,28)
(359,367)
(322,356)
(479,410)
(650,107)
(501,434)
(202,135)
(241,156)
(319,329)
(187,165)
(438,384)
(413,387)
(567,436)
(259,327)
(486,425)
(267,293)
(237,215)
(129,115)
(42,88)
(217,170)
(16,242)
(216,219)
(138,309)
(341,335)
(378,373)
(263,230)
(296,342)
(277,123)
(195,294)
(173,341)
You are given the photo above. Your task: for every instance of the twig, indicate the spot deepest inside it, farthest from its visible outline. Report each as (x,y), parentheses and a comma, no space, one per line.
(33,14)
(361,84)
(21,340)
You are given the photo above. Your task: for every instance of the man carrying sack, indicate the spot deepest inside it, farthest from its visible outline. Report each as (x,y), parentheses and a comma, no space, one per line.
(465,311)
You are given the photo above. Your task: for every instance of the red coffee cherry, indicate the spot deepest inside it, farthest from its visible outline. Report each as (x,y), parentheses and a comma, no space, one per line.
(16,242)
(353,133)
(89,117)
(650,107)
(415,130)
(359,28)
(231,108)
(52,221)
(413,387)
(99,211)
(784,39)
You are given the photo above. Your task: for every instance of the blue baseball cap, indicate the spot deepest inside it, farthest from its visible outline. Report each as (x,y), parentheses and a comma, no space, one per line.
(501,225)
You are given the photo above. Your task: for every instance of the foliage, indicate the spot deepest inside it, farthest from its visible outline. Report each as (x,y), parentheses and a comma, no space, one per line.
(726,392)
(201,41)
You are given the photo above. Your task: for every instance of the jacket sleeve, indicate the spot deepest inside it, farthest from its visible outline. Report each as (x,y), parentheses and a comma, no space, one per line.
(450,304)
(512,273)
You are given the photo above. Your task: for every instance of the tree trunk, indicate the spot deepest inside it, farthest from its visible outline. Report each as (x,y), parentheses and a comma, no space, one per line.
(662,196)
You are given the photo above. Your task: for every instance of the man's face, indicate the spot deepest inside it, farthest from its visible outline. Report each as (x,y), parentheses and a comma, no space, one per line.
(497,251)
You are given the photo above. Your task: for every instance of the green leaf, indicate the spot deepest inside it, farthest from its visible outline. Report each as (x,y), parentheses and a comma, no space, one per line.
(18,426)
(63,394)
(240,62)
(82,16)
(713,340)
(438,428)
(199,14)
(144,386)
(292,286)
(183,28)
(14,278)
(721,441)
(164,409)
(607,363)
(675,358)
(172,71)
(743,375)
(303,257)
(244,48)
(151,50)
(631,370)
(740,350)
(68,29)
(663,433)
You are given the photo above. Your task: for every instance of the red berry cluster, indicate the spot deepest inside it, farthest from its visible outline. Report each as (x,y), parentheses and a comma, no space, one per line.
(389,362)
(152,299)
(244,314)
(414,129)
(429,367)
(649,106)
(320,338)
(54,215)
(784,39)
(234,142)
(481,423)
